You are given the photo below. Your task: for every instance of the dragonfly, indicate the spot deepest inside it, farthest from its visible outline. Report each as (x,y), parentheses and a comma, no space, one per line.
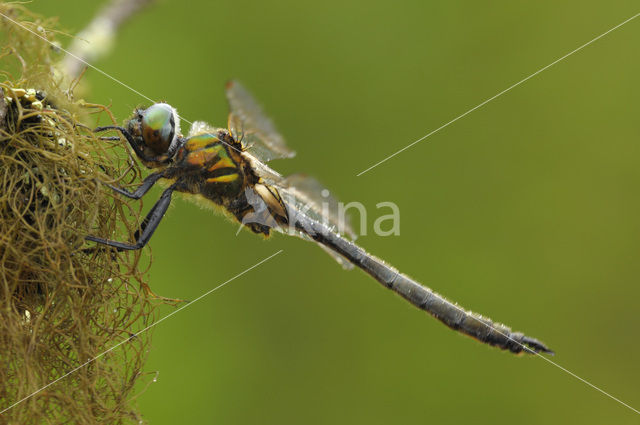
(228,168)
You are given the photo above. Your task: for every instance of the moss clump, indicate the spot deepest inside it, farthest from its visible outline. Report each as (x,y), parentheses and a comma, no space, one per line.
(63,302)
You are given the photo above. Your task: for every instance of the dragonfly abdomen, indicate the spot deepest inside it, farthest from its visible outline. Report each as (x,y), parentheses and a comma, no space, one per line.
(467,322)
(472,324)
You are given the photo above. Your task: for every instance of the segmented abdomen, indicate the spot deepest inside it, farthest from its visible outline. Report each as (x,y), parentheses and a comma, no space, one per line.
(464,321)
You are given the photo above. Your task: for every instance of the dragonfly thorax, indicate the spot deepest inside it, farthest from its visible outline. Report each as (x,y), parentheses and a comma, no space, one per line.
(156,131)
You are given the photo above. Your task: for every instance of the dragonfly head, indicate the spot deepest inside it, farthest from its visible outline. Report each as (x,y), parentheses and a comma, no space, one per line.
(156,130)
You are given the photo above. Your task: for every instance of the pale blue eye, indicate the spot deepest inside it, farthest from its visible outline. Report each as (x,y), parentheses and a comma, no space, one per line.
(158,127)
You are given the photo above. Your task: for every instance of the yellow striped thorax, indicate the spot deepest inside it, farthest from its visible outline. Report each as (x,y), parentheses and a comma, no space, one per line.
(211,157)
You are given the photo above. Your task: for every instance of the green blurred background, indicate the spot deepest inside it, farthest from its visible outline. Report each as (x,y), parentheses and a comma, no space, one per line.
(526,210)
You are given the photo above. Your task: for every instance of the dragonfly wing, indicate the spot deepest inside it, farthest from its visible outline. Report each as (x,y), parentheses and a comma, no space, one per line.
(268,174)
(339,258)
(307,196)
(344,262)
(295,202)
(304,195)
(311,197)
(201,127)
(247,122)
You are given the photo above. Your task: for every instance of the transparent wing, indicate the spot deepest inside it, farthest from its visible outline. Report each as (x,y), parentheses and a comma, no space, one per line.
(262,215)
(307,196)
(201,127)
(268,174)
(313,199)
(293,202)
(248,123)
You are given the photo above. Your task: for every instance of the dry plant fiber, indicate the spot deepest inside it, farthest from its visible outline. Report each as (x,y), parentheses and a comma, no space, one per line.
(63,302)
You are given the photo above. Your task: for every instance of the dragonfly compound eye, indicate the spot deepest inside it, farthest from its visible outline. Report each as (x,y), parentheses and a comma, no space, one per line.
(159,127)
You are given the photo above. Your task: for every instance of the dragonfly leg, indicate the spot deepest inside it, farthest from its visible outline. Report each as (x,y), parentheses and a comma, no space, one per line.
(148,226)
(147,184)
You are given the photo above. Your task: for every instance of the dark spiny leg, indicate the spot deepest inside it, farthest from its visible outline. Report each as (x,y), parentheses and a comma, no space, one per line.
(127,136)
(147,184)
(149,225)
